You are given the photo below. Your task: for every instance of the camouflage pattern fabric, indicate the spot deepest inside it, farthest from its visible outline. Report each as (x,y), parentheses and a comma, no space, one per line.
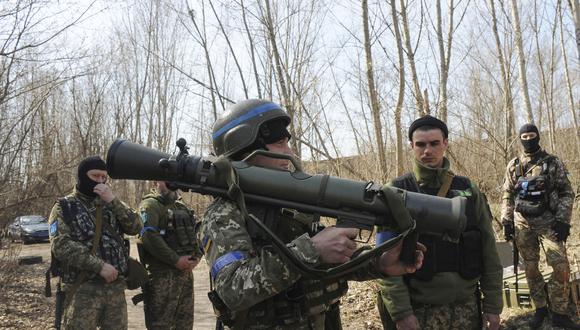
(456,316)
(528,242)
(560,192)
(95,302)
(72,244)
(531,230)
(257,277)
(97,305)
(169,301)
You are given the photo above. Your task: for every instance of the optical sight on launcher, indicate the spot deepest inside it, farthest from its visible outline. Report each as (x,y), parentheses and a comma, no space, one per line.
(354,204)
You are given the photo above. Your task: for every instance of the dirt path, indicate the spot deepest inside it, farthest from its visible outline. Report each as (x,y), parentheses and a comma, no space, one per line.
(203,313)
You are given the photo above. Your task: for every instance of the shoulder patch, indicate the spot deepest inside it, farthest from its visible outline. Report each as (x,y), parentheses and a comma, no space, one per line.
(144,216)
(53,228)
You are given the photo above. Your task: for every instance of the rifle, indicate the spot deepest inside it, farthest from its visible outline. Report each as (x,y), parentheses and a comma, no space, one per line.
(59,306)
(354,204)
(516,261)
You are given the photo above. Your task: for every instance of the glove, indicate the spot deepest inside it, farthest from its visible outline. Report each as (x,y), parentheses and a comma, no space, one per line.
(509,231)
(562,230)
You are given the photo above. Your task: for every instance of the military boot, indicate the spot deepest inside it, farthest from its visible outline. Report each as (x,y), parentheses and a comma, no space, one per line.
(538,318)
(563,321)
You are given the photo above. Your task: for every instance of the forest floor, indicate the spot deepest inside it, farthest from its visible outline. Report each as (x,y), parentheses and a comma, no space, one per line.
(24,306)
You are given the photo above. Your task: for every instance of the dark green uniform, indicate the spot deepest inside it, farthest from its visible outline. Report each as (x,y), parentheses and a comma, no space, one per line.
(94,303)
(168,233)
(442,293)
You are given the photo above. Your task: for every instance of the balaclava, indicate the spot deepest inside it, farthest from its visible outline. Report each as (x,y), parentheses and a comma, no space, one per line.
(84,184)
(533,145)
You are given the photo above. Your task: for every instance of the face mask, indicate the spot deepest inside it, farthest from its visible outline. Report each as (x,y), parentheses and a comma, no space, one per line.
(531,146)
(86,186)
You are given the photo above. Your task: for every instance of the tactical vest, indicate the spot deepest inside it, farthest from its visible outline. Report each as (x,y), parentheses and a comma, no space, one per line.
(532,191)
(178,230)
(112,249)
(464,257)
(304,298)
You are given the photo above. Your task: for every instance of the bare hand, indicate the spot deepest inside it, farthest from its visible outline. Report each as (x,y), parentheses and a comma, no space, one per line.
(105,192)
(108,272)
(389,263)
(491,321)
(335,245)
(186,264)
(408,322)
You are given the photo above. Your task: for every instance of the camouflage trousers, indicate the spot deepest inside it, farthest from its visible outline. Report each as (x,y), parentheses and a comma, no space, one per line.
(97,305)
(169,300)
(528,241)
(459,316)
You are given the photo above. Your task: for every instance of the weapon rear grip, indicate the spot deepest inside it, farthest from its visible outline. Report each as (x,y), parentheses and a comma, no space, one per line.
(408,256)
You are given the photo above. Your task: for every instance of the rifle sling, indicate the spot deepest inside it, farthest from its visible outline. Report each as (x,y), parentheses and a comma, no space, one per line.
(446,184)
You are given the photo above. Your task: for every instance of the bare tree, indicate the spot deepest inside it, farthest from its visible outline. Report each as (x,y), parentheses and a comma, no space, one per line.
(506,88)
(411,59)
(401,93)
(522,62)
(571,104)
(374,101)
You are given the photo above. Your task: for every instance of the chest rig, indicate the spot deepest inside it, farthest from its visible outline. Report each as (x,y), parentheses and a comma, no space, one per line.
(79,219)
(463,257)
(532,191)
(178,229)
(306,297)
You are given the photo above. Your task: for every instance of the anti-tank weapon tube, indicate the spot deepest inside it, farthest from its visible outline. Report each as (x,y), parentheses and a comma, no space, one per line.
(354,204)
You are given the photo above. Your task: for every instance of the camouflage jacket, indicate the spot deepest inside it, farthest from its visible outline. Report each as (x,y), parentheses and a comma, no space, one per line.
(157,254)
(398,294)
(259,274)
(559,190)
(72,245)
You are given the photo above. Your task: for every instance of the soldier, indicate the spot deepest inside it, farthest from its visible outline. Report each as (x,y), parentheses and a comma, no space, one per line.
(539,197)
(444,293)
(168,248)
(94,277)
(254,288)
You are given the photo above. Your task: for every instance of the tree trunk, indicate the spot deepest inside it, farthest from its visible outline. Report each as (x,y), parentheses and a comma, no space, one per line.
(507,91)
(401,94)
(522,62)
(374,100)
(411,58)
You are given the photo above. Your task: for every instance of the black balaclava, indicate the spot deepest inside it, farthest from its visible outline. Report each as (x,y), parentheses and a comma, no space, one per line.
(533,145)
(84,184)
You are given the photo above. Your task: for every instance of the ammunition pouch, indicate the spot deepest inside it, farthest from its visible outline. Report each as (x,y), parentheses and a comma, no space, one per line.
(464,257)
(137,275)
(180,233)
(532,197)
(470,254)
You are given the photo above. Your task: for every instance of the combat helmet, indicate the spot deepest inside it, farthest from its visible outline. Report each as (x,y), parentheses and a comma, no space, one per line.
(244,127)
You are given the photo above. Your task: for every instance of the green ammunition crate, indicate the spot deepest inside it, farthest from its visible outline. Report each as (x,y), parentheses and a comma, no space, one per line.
(522,298)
